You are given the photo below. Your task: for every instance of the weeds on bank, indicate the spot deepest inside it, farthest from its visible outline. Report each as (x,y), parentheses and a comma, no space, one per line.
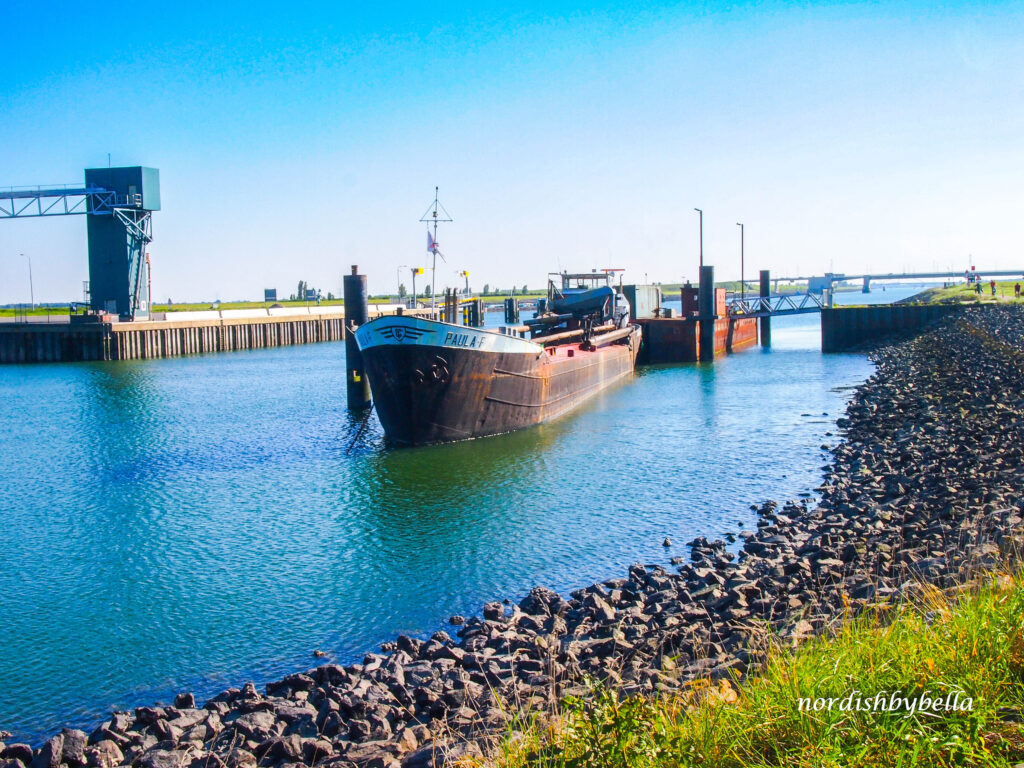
(967,646)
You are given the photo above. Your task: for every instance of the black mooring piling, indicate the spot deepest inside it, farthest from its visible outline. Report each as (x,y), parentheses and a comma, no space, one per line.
(356,313)
(706,311)
(512,311)
(766,322)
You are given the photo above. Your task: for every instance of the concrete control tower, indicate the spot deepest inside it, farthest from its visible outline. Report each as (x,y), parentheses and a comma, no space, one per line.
(118,235)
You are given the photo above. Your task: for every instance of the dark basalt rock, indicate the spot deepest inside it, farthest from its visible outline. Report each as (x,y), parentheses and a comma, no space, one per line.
(73,750)
(50,754)
(20,752)
(104,754)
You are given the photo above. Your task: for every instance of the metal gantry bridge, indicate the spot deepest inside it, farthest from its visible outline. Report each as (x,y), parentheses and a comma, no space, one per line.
(119,203)
(33,202)
(774,306)
(62,200)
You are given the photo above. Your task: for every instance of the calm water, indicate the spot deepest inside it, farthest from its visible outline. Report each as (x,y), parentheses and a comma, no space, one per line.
(195,523)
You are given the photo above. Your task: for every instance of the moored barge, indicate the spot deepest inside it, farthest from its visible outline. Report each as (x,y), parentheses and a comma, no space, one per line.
(436,382)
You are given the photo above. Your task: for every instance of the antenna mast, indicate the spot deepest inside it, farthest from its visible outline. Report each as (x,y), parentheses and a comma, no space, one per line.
(436,214)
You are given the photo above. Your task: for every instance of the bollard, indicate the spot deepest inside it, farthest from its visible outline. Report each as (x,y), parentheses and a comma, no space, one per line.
(356,314)
(706,311)
(451,302)
(511,311)
(766,322)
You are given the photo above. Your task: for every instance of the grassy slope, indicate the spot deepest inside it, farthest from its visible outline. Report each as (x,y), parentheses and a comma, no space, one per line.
(960,293)
(973,642)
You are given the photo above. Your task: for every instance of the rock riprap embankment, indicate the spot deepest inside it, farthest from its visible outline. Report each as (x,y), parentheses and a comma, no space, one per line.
(924,487)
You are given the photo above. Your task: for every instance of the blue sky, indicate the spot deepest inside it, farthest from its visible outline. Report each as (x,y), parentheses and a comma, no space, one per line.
(296,139)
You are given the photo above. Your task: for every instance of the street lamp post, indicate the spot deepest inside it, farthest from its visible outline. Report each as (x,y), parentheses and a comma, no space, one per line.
(743,285)
(398,278)
(698,210)
(415,271)
(31,289)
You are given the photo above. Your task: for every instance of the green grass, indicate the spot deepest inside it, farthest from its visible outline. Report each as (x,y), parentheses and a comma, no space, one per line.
(37,312)
(962,293)
(973,642)
(207,305)
(671,290)
(194,306)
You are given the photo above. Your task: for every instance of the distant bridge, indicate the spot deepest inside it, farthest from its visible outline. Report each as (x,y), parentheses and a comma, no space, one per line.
(817,283)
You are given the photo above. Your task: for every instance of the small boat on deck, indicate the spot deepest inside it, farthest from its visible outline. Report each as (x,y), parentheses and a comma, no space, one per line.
(435,382)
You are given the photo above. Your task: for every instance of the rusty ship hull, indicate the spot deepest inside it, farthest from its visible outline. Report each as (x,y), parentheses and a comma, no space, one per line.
(435,382)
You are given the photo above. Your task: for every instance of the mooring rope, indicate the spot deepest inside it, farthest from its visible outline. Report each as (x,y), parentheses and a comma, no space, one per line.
(362,426)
